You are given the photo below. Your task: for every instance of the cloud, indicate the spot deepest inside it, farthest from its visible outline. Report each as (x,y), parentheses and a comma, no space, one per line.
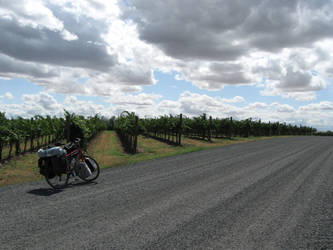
(223,43)
(258,105)
(211,44)
(290,73)
(11,67)
(137,100)
(195,34)
(8,95)
(42,103)
(318,115)
(283,108)
(236,99)
(48,46)
(325,106)
(53,44)
(193,104)
(86,108)
(219,30)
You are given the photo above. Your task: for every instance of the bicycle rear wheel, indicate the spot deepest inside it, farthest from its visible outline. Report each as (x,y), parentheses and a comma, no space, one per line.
(58,181)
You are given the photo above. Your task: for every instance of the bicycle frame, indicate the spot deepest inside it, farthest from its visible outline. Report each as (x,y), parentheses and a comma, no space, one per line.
(78,155)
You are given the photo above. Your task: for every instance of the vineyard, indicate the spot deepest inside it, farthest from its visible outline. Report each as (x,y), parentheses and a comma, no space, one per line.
(18,136)
(165,128)
(127,128)
(171,129)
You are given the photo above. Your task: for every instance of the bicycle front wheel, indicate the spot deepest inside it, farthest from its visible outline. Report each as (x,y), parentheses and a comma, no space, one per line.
(58,181)
(94,168)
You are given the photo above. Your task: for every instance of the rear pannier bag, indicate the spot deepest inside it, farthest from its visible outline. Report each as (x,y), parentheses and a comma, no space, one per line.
(45,167)
(52,161)
(59,164)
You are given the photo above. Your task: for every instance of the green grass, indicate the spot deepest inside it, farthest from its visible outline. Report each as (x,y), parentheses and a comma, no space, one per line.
(20,169)
(108,152)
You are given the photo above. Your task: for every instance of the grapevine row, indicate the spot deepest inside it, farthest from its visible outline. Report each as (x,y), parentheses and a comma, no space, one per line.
(172,128)
(17,136)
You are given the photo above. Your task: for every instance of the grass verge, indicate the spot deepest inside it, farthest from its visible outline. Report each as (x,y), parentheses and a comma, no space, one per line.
(106,149)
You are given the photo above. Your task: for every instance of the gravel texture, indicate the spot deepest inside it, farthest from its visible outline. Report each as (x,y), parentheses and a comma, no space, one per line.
(271,194)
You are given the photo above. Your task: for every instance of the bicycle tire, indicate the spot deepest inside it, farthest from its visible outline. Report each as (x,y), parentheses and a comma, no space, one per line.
(95,173)
(58,181)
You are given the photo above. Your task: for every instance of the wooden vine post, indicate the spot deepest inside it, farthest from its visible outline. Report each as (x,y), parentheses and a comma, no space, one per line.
(230,128)
(210,129)
(135,146)
(67,129)
(180,128)
(32,137)
(204,128)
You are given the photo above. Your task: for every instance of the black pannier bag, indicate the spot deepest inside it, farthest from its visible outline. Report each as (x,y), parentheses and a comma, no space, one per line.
(52,161)
(59,165)
(45,167)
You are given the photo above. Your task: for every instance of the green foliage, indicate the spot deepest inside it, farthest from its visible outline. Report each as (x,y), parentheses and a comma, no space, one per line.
(166,128)
(163,124)
(13,132)
(128,128)
(89,126)
(126,123)
(327,133)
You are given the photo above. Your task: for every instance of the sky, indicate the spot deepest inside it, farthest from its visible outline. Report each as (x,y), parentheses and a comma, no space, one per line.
(259,59)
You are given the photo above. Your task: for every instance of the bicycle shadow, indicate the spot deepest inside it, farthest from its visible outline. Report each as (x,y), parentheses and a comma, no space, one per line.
(81,183)
(45,191)
(51,191)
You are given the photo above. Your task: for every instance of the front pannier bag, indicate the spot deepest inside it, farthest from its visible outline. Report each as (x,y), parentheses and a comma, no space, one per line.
(83,170)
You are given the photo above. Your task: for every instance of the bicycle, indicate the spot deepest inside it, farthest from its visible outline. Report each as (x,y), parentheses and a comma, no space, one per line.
(58,170)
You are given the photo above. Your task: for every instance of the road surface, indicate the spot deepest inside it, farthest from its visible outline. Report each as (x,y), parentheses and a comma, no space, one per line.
(271,194)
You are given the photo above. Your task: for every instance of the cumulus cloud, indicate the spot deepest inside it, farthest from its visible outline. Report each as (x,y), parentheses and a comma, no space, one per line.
(223,43)
(54,43)
(118,46)
(86,108)
(291,73)
(236,99)
(41,103)
(7,95)
(48,46)
(219,30)
(13,68)
(318,115)
(283,108)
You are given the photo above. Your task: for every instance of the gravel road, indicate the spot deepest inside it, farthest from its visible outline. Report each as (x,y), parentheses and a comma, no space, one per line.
(271,194)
